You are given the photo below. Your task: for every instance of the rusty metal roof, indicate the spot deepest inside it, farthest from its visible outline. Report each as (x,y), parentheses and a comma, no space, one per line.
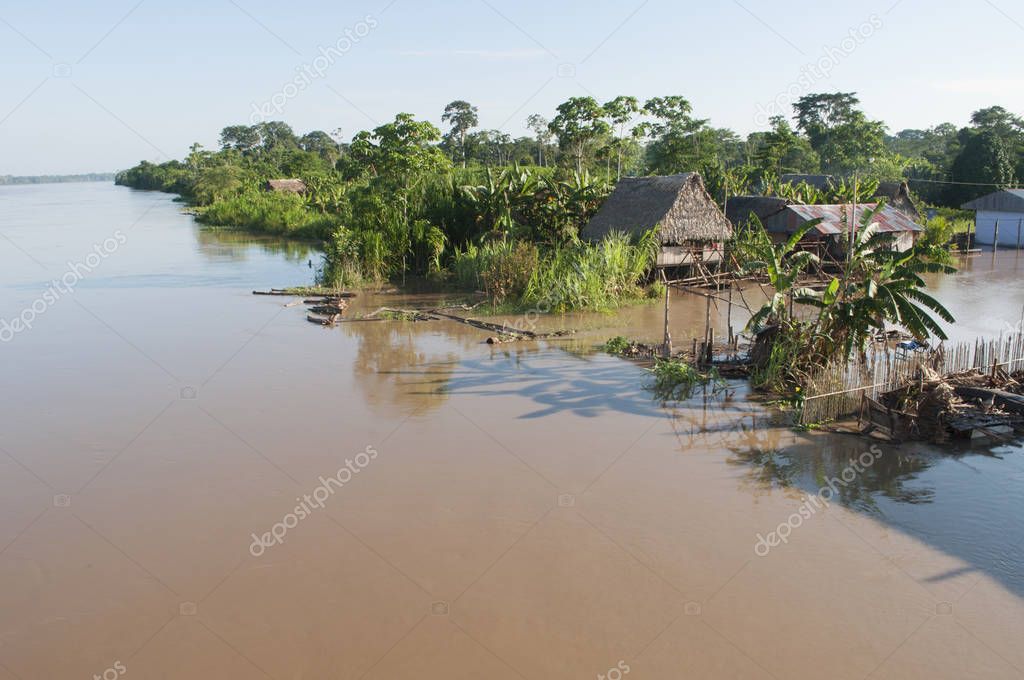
(888,219)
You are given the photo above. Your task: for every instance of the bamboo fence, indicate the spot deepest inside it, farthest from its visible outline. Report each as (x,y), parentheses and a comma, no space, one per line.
(838,389)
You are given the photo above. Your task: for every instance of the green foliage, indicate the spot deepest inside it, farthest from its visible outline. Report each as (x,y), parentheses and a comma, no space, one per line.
(675,380)
(574,276)
(983,159)
(270,213)
(463,117)
(578,126)
(617,345)
(878,285)
(598,276)
(391,202)
(841,135)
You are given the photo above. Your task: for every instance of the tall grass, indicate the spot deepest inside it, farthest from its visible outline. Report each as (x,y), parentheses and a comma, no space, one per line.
(580,275)
(270,213)
(596,276)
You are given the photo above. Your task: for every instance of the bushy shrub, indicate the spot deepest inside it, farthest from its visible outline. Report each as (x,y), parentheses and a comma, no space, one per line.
(271,213)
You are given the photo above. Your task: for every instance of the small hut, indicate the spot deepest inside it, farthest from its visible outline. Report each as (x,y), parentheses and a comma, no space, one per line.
(897,195)
(285,186)
(831,235)
(691,228)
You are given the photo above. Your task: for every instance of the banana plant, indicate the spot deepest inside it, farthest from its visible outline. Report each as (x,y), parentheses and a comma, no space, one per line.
(783,264)
(879,286)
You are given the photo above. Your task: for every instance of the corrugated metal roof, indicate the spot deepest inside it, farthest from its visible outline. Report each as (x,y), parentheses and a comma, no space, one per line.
(1008,200)
(888,219)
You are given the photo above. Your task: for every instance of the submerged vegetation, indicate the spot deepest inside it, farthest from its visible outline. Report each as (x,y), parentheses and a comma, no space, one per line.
(877,285)
(675,380)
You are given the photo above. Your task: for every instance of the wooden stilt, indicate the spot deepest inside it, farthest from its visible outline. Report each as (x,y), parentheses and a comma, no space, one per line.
(668,335)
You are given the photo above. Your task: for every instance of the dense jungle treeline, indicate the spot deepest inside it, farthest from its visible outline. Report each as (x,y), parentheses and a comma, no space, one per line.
(503,214)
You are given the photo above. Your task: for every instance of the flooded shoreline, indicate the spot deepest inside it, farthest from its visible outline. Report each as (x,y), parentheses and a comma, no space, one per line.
(531,511)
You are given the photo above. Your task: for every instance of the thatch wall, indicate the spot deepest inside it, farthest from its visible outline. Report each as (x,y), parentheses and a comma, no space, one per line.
(897,195)
(678,205)
(285,186)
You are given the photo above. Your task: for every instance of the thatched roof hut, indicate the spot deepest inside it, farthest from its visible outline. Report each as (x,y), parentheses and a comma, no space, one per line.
(897,195)
(740,208)
(677,205)
(285,186)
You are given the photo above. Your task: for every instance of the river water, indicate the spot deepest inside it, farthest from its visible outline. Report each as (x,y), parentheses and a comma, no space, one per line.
(197,483)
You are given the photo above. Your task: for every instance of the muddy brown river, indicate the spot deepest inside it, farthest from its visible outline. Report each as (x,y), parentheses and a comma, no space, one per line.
(197,483)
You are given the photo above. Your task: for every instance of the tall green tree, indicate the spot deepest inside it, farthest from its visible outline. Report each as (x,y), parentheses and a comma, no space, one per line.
(463,117)
(982,162)
(844,138)
(322,144)
(578,125)
(679,142)
(399,152)
(539,125)
(782,150)
(620,112)
(243,138)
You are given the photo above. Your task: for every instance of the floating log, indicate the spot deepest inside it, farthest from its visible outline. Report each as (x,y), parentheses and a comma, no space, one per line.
(483,325)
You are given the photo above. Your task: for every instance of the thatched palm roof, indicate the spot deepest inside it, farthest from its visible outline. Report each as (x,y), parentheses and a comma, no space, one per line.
(678,205)
(740,208)
(286,186)
(897,195)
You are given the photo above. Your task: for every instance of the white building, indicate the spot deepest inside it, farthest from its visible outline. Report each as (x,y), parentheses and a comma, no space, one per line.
(1005,208)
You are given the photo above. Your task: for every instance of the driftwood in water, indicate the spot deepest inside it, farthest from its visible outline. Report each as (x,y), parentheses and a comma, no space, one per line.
(484,325)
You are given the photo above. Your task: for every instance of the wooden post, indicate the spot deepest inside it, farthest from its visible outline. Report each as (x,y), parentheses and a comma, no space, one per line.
(995,239)
(707,326)
(1020,223)
(668,336)
(729,316)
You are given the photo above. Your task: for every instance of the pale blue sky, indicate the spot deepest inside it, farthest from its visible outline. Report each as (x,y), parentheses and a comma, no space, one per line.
(100,85)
